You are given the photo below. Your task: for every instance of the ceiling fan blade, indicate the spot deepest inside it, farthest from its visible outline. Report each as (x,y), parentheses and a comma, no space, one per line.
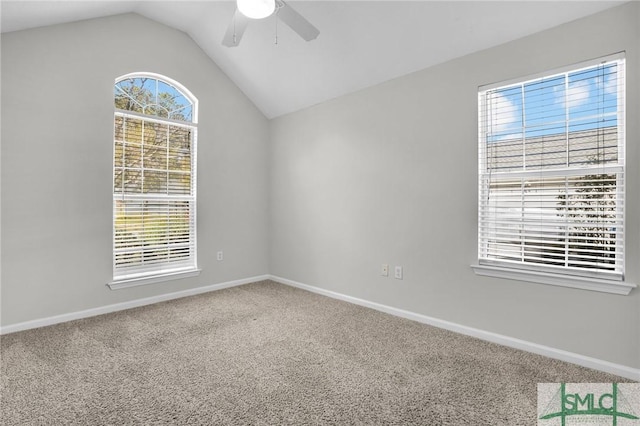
(235,30)
(297,23)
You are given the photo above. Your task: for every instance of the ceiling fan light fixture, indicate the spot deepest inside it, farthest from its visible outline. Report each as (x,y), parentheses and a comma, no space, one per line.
(256,9)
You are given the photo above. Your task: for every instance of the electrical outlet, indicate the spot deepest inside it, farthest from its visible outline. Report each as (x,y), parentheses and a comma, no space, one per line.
(385,270)
(220,255)
(398,273)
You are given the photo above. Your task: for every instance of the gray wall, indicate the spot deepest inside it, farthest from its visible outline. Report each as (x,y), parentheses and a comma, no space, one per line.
(57,137)
(389,175)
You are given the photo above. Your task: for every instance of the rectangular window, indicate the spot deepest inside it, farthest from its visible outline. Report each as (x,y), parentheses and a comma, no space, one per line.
(552,172)
(154,203)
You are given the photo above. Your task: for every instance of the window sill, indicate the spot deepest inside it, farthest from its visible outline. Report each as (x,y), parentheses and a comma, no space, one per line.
(585,283)
(151,279)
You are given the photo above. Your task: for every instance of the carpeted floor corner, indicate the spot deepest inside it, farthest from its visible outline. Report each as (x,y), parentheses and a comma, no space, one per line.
(267,354)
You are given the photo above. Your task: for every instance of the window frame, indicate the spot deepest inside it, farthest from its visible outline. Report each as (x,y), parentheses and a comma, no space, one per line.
(164,271)
(597,281)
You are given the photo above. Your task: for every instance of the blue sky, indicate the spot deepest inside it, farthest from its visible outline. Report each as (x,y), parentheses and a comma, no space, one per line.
(588,98)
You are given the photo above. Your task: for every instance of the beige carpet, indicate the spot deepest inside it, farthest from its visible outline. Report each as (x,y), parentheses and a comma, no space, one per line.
(267,354)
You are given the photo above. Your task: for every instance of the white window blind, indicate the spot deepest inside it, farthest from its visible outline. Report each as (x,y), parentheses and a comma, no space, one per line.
(551,172)
(154,192)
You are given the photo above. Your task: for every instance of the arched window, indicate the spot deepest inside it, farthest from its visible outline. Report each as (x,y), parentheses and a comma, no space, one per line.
(154,180)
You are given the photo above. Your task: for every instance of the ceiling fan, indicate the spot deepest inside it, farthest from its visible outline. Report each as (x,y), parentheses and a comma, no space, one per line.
(248,10)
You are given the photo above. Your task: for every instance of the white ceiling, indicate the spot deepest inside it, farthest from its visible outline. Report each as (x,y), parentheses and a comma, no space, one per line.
(361,43)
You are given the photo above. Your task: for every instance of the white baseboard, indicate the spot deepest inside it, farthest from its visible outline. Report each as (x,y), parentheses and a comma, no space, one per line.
(125,305)
(585,361)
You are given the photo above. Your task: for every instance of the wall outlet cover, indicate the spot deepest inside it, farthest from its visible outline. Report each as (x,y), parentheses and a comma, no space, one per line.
(398,272)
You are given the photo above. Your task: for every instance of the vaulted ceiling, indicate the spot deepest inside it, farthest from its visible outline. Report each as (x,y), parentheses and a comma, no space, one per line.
(361,43)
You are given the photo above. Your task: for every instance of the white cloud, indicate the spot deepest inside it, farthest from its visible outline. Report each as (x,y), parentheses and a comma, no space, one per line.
(505,114)
(578,93)
(609,85)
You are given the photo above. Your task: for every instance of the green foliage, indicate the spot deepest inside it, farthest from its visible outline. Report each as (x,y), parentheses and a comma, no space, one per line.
(592,212)
(145,228)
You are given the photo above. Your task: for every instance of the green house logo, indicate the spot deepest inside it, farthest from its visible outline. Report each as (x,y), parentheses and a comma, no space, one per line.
(566,404)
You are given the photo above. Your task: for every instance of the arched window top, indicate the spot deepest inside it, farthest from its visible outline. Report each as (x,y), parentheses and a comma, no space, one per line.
(155,95)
